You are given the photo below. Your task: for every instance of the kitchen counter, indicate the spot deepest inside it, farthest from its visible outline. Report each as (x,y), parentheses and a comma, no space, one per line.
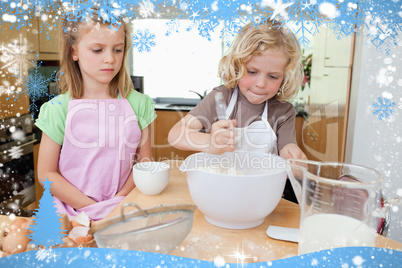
(172,107)
(207,242)
(175,104)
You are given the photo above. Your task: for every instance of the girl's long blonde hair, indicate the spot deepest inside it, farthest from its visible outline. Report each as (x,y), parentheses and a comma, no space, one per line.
(254,40)
(69,77)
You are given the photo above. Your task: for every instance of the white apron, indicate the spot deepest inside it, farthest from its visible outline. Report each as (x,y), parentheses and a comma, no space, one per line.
(258,136)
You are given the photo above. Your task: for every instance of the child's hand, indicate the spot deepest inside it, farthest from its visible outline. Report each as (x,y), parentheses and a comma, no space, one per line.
(222,137)
(291,150)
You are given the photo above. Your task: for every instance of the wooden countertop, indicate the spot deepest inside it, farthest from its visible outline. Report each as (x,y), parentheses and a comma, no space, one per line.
(208,242)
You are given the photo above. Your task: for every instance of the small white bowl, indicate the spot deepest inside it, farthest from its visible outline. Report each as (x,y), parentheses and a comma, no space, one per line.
(151,178)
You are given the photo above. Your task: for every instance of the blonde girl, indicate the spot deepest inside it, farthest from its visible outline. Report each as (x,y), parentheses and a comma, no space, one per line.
(261,70)
(98,126)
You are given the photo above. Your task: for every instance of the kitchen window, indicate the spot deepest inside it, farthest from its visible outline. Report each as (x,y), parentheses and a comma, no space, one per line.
(177,63)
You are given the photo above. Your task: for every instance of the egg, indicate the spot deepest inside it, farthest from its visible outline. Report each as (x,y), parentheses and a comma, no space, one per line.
(80,220)
(80,235)
(16,240)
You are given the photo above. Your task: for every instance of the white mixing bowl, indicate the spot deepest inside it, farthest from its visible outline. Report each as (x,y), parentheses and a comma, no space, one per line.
(235,190)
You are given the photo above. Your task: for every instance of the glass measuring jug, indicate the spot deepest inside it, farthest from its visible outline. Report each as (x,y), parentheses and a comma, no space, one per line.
(341,204)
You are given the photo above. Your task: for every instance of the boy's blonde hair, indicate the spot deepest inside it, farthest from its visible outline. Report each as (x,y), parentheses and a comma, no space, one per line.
(69,77)
(254,40)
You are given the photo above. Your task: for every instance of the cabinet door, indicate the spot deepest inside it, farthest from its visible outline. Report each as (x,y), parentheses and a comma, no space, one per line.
(49,39)
(160,130)
(337,50)
(26,38)
(18,48)
(324,135)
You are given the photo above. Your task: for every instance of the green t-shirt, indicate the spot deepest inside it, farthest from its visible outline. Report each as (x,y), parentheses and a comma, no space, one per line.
(53,114)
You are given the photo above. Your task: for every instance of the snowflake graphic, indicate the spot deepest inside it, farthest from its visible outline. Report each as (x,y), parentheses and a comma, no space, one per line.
(87,253)
(230,29)
(348,18)
(383,108)
(43,254)
(173,26)
(48,24)
(111,11)
(219,261)
(384,76)
(143,40)
(307,20)
(382,23)
(15,152)
(33,108)
(18,135)
(15,13)
(16,56)
(205,29)
(382,36)
(343,17)
(35,86)
(358,260)
(146,8)
(279,8)
(15,186)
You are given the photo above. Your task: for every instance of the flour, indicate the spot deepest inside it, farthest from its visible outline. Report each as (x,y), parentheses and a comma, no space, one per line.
(222,170)
(194,240)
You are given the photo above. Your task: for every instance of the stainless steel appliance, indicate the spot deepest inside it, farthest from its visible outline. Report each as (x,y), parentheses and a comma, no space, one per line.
(17,177)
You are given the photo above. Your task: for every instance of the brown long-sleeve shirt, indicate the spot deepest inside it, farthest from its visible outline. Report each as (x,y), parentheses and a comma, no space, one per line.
(281,115)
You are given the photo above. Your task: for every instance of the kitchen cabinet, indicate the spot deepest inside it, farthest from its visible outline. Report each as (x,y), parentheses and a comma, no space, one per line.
(39,39)
(18,49)
(49,39)
(10,107)
(324,135)
(25,37)
(337,51)
(161,149)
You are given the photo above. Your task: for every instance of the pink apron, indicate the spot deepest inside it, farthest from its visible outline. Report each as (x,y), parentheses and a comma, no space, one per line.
(100,142)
